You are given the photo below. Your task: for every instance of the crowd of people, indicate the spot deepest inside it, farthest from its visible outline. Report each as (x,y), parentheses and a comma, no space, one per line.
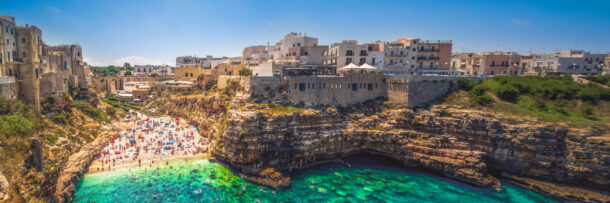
(147,140)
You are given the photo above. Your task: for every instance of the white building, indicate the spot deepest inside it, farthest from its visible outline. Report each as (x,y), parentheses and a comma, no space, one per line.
(349,51)
(576,62)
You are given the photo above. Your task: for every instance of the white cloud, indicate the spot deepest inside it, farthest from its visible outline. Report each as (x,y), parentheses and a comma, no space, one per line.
(53,9)
(136,60)
(520,22)
(133,60)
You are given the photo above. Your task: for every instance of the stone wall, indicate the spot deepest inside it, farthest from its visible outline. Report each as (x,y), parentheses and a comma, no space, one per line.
(342,90)
(416,91)
(8,88)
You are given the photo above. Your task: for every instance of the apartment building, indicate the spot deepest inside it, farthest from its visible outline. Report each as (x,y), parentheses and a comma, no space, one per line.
(400,56)
(298,48)
(577,62)
(434,55)
(349,51)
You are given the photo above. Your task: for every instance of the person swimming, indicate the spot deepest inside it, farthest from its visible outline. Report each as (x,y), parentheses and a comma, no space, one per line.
(198,191)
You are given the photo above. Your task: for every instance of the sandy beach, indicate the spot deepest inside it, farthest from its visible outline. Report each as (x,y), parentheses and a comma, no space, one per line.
(147,141)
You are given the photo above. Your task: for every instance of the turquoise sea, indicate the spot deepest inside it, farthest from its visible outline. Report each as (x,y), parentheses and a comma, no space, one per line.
(333,183)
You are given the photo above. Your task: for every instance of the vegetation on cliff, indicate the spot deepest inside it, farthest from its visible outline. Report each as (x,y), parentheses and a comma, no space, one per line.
(549,98)
(601,79)
(59,134)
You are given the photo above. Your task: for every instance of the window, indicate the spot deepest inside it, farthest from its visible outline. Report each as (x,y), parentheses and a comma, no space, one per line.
(373,61)
(362,61)
(354,87)
(349,53)
(0,57)
(362,52)
(308,85)
(301,87)
(305,53)
(298,44)
(348,61)
(191,74)
(370,86)
(10,72)
(186,74)
(493,63)
(23,40)
(401,53)
(23,54)
(36,72)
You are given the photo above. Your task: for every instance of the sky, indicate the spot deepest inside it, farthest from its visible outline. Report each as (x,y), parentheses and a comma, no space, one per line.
(112,32)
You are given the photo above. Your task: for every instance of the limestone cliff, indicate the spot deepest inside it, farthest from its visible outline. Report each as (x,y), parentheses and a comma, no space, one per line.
(465,145)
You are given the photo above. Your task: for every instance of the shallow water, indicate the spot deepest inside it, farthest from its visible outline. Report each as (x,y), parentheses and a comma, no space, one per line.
(334,183)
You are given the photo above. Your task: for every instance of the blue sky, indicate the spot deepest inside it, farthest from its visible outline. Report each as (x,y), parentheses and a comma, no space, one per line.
(156,31)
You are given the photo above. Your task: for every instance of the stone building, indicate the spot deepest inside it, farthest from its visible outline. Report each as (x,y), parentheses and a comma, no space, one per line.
(252,51)
(207,62)
(188,72)
(299,48)
(29,58)
(41,73)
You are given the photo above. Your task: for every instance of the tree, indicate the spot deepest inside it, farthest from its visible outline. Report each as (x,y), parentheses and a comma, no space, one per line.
(154,75)
(127,72)
(245,72)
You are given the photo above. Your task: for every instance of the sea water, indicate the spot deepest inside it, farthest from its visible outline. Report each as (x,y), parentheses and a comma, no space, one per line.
(202,181)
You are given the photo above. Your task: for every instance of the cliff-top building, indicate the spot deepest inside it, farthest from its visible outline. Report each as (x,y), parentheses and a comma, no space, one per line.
(38,71)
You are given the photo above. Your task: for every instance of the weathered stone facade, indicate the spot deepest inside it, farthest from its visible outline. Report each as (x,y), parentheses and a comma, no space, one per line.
(414,91)
(8,88)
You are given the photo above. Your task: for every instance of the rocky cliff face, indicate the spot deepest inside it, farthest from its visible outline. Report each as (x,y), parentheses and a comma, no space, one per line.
(465,145)
(76,167)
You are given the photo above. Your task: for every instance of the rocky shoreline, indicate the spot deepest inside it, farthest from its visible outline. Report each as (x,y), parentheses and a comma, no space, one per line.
(76,166)
(461,144)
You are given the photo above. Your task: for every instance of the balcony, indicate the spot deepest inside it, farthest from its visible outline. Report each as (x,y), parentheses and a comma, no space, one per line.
(364,54)
(428,50)
(427,58)
(398,55)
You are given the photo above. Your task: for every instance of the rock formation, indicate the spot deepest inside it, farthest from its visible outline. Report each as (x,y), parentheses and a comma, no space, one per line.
(3,188)
(35,158)
(75,167)
(462,144)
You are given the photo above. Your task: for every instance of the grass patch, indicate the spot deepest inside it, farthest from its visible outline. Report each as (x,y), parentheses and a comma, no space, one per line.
(281,109)
(549,98)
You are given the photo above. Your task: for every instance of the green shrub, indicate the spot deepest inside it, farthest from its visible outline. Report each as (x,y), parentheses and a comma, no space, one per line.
(89,110)
(16,125)
(466,83)
(483,100)
(60,118)
(509,93)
